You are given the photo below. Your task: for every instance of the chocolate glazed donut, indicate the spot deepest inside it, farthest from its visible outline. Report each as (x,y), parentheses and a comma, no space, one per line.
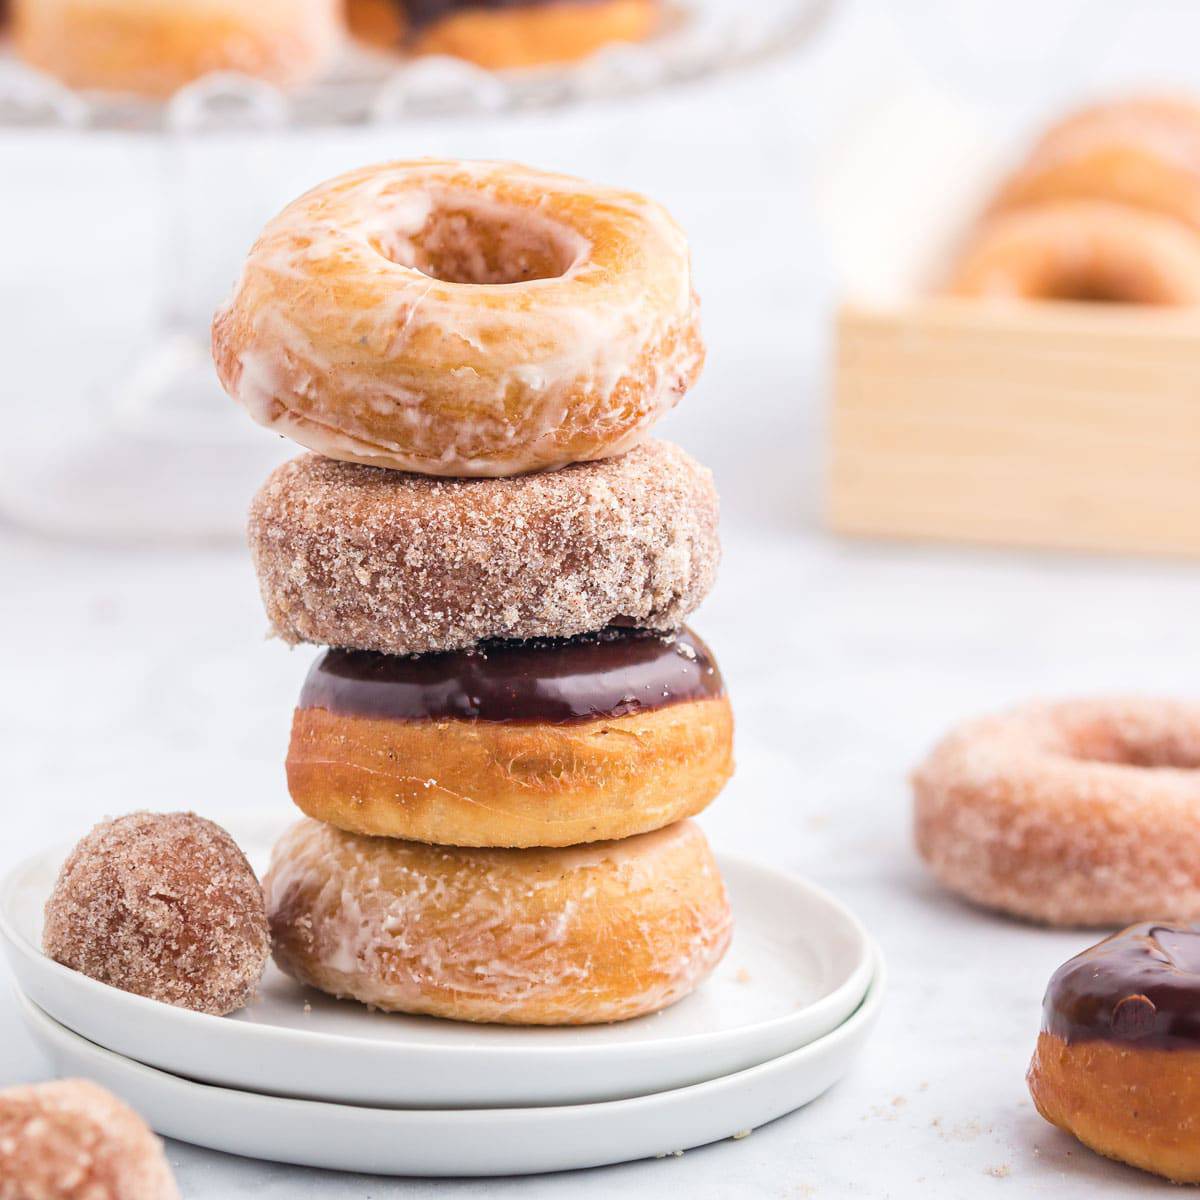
(504,33)
(549,742)
(1118,1059)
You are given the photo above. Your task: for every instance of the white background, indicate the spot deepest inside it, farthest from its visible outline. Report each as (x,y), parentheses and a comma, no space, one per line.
(141,678)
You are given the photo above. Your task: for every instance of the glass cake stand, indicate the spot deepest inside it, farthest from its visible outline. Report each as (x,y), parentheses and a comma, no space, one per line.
(160,453)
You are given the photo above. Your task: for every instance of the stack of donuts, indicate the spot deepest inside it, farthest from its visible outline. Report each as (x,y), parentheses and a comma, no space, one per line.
(1107,207)
(498,751)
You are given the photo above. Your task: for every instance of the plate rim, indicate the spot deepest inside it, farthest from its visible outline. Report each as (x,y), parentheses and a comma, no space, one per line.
(200,1022)
(863,1017)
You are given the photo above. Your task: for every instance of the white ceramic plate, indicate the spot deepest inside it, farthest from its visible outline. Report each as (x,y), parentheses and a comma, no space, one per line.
(799,965)
(508,1141)
(698,38)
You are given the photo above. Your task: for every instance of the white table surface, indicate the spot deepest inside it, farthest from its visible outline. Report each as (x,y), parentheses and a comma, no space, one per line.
(141,678)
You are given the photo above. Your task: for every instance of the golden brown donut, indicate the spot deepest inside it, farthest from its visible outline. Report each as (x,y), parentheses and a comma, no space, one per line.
(1117,1062)
(1075,813)
(72,1140)
(499,34)
(1143,151)
(545,743)
(154,48)
(1083,250)
(463,319)
(368,559)
(572,936)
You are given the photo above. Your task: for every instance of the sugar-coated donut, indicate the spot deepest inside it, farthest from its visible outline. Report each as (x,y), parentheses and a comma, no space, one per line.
(164,905)
(367,559)
(504,33)
(542,743)
(72,1140)
(1082,250)
(154,48)
(570,936)
(1117,1062)
(1143,152)
(1076,813)
(462,319)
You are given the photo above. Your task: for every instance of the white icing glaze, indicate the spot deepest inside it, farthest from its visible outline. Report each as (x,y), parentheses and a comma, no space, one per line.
(335,337)
(497,932)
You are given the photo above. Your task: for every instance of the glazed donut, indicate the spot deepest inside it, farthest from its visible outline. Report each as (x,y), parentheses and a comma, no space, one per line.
(462,319)
(544,743)
(1117,1063)
(504,33)
(1082,250)
(163,905)
(1143,152)
(1076,813)
(72,1140)
(571,936)
(154,48)
(365,559)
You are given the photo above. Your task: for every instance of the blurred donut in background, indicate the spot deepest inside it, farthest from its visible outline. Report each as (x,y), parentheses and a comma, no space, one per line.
(504,33)
(153,49)
(1083,250)
(1143,151)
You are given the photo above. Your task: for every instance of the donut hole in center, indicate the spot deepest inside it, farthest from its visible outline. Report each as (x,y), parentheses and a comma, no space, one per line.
(1132,745)
(462,239)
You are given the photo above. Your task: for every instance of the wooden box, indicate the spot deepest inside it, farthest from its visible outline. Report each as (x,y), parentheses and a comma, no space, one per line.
(1061,425)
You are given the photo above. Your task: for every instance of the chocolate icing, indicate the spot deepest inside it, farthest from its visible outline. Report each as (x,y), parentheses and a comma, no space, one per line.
(560,680)
(1140,986)
(422,13)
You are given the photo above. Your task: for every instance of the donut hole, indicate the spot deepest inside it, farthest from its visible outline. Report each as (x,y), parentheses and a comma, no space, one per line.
(1093,286)
(1135,744)
(459,240)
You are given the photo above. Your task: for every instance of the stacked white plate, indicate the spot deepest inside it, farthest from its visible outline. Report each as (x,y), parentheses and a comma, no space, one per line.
(299,1077)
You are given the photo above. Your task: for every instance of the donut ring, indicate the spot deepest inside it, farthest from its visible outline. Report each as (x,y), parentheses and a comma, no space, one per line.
(1117,1063)
(462,319)
(1079,813)
(355,557)
(72,1140)
(524,937)
(1082,250)
(155,49)
(516,744)
(1143,152)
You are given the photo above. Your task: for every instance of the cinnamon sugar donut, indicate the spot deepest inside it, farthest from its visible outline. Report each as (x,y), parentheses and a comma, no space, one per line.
(1082,250)
(504,33)
(72,1140)
(163,905)
(1076,813)
(527,937)
(541,743)
(360,558)
(1143,152)
(1117,1062)
(154,48)
(463,319)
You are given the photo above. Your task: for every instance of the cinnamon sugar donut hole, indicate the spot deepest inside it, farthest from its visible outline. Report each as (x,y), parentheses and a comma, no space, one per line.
(155,47)
(1084,250)
(163,905)
(573,936)
(463,319)
(72,1140)
(1142,151)
(1080,813)
(370,559)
